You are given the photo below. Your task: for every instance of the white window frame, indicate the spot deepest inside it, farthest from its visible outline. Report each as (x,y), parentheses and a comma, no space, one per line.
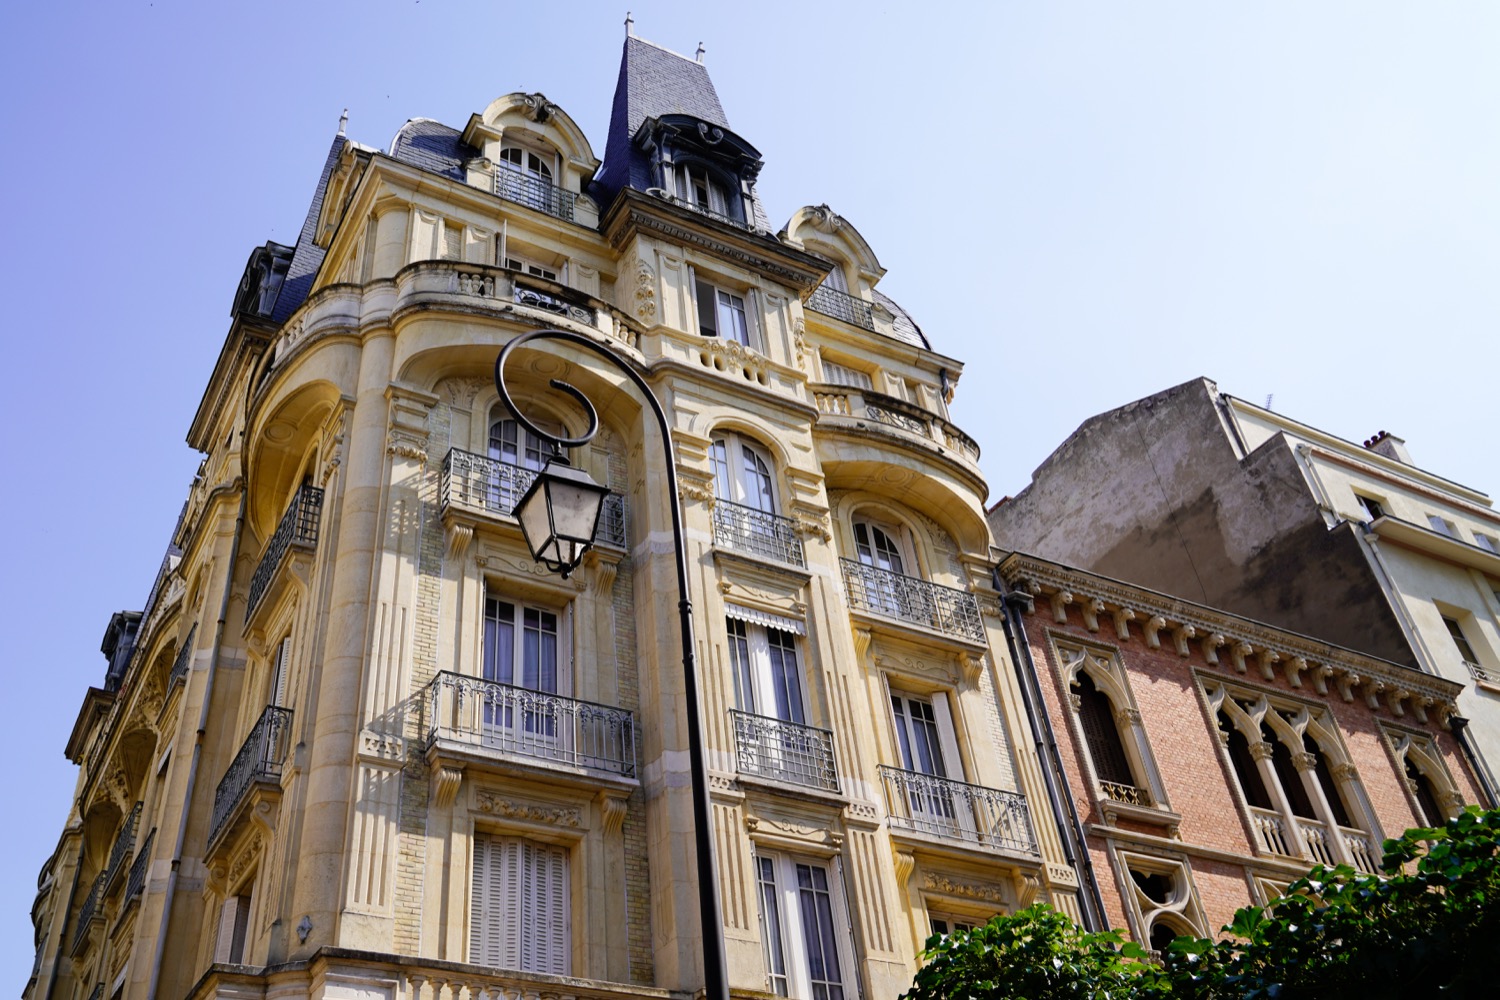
(520,904)
(1373,507)
(281,668)
(724,300)
(755,687)
(562,665)
(781,895)
(735,476)
(535,161)
(530,267)
(900,546)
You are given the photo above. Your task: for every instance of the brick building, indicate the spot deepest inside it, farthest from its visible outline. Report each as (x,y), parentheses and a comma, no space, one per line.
(360,744)
(1211,758)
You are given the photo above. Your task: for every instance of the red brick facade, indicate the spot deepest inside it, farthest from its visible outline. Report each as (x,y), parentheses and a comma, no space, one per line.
(1198,847)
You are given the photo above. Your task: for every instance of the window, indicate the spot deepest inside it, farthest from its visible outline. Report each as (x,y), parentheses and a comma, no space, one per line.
(1487,542)
(724,313)
(1110,729)
(1428,810)
(706,192)
(531,267)
(742,474)
(519,159)
(837,374)
(521,453)
(803,927)
(234,923)
(1456,632)
(767,676)
(835,280)
(521,658)
(1374,509)
(1292,770)
(877,546)
(1434,796)
(281,668)
(1160,901)
(519,905)
(1442,525)
(928,748)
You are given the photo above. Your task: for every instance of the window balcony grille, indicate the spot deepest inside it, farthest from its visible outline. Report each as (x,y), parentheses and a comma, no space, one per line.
(784,751)
(183,661)
(720,216)
(517,722)
(260,760)
(138,869)
(1319,844)
(841,305)
(909,599)
(1128,794)
(90,912)
(124,844)
(534,192)
(958,811)
(548,302)
(298,529)
(1481,674)
(745,529)
(495,487)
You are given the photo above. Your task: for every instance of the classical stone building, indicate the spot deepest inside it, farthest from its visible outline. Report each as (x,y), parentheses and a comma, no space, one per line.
(1216,500)
(359,744)
(1212,759)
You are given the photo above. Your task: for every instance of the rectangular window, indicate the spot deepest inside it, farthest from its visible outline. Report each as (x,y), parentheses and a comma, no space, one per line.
(725,313)
(1465,650)
(1374,509)
(519,905)
(531,267)
(837,374)
(234,922)
(804,929)
(1487,542)
(949,925)
(1442,525)
(767,676)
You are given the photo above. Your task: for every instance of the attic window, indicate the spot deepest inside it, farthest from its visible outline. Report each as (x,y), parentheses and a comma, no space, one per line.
(706,192)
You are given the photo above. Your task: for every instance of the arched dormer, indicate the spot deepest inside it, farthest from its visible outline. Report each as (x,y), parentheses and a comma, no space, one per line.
(533,153)
(819,229)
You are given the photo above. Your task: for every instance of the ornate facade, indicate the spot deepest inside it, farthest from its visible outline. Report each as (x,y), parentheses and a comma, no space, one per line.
(361,745)
(1213,759)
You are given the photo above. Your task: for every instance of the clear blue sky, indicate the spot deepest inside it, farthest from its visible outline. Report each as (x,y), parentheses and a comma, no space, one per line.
(1084,202)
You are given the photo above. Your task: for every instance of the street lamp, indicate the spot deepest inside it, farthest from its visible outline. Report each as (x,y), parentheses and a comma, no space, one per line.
(559,514)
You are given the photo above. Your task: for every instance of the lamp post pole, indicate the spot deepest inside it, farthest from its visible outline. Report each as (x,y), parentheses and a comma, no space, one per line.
(715,983)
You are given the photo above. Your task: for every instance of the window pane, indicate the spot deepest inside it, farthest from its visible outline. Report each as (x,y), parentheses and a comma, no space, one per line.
(757,482)
(786,677)
(732,323)
(499,641)
(739,660)
(818,932)
(770,925)
(722,488)
(708,310)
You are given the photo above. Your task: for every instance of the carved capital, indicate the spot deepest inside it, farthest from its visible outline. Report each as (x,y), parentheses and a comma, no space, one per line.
(1260,750)
(1304,761)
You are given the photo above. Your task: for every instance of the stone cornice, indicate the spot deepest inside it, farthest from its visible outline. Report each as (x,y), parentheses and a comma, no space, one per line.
(1248,645)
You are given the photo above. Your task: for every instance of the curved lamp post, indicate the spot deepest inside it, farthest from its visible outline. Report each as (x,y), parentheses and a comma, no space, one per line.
(559,514)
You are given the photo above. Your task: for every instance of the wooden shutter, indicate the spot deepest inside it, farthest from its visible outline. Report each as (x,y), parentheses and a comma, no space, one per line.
(953,764)
(519,907)
(279,676)
(1097,717)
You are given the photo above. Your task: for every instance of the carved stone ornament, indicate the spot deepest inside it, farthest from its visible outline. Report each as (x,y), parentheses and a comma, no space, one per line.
(799,339)
(905,863)
(987,891)
(246,857)
(711,135)
(381,745)
(461,390)
(824,218)
(537,107)
(645,291)
(493,804)
(445,783)
(613,809)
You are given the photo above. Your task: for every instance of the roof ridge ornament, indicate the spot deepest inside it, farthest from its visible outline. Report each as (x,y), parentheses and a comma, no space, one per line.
(629,25)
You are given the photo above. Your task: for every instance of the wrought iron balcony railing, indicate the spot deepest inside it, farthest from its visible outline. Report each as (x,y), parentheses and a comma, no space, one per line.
(89,912)
(909,599)
(721,216)
(957,810)
(124,844)
(184,659)
(298,527)
(533,192)
(260,759)
(493,486)
(518,722)
(538,299)
(138,868)
(1481,674)
(841,305)
(757,532)
(784,751)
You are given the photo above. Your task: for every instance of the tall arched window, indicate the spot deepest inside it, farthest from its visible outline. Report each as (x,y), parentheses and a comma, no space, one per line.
(517,454)
(1432,813)
(742,474)
(1286,773)
(1244,765)
(1325,778)
(882,588)
(1097,717)
(877,546)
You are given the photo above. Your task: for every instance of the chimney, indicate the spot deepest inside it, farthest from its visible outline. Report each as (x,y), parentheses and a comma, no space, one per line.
(1390,446)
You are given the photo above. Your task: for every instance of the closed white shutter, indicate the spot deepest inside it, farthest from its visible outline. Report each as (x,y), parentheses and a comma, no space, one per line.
(837,374)
(283,668)
(753,321)
(519,910)
(952,763)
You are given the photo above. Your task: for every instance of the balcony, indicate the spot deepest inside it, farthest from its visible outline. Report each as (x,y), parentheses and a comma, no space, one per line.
(183,661)
(500,720)
(908,599)
(533,192)
(956,811)
(490,486)
(537,299)
(757,532)
(850,405)
(258,763)
(1345,846)
(298,530)
(1126,794)
(90,914)
(841,305)
(136,883)
(784,751)
(120,852)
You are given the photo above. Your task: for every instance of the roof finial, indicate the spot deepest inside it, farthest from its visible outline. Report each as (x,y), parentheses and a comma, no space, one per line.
(701,50)
(343,121)
(629,25)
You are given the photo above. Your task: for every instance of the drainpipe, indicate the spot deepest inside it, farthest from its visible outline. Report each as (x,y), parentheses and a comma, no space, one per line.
(192,778)
(1064,811)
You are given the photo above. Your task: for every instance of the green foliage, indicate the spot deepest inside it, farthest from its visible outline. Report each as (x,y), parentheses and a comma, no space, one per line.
(1425,928)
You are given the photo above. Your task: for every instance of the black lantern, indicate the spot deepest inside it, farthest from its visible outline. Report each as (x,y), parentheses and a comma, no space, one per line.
(559,514)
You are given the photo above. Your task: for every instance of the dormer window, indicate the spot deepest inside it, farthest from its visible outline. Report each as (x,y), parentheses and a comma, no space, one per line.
(707,192)
(526,175)
(526,161)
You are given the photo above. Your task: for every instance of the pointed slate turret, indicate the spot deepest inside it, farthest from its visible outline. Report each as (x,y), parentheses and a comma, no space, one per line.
(666,120)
